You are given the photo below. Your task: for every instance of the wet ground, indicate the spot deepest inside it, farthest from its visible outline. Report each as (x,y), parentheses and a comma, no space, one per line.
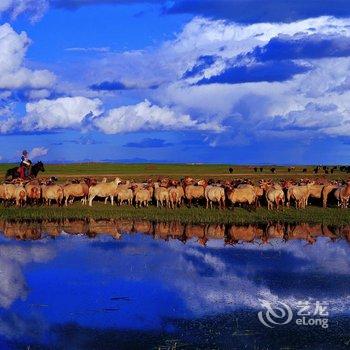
(144,285)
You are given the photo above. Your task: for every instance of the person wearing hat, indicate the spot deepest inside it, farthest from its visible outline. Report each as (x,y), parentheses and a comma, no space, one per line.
(24,167)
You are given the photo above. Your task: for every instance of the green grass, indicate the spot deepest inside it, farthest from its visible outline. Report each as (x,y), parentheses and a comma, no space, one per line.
(132,169)
(195,215)
(144,171)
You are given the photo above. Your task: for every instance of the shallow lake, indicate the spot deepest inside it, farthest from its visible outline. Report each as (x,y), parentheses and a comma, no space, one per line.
(119,284)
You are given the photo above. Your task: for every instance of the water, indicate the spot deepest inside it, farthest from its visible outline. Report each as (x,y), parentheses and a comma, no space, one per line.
(101,285)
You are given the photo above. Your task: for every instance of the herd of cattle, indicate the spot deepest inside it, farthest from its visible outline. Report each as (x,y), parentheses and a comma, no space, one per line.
(174,193)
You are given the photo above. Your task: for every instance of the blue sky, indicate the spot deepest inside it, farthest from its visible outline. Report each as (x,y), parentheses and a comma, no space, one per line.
(224,81)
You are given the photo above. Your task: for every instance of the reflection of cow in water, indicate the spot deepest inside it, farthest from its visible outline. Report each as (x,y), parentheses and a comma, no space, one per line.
(13,173)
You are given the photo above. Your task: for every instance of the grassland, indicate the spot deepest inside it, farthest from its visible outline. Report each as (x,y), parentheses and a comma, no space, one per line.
(195,215)
(330,216)
(144,171)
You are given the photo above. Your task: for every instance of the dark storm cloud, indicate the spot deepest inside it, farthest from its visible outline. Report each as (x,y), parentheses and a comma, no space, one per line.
(251,11)
(202,63)
(243,11)
(269,71)
(312,47)
(275,60)
(109,86)
(118,86)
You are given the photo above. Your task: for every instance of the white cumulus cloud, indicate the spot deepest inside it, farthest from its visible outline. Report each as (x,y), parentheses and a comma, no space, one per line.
(145,116)
(38,152)
(247,106)
(223,40)
(13,73)
(7,125)
(35,8)
(63,112)
(317,100)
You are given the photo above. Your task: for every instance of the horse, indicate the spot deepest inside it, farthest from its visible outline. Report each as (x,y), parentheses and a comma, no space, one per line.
(13,173)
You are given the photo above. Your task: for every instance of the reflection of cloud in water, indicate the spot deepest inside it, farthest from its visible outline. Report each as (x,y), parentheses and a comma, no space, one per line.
(12,285)
(328,256)
(13,258)
(324,259)
(178,280)
(208,281)
(13,326)
(198,276)
(219,289)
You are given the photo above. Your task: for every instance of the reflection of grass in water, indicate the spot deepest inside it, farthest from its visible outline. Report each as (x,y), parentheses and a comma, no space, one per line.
(329,216)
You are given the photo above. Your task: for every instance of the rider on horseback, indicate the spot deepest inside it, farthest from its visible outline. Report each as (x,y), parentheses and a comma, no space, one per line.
(25,166)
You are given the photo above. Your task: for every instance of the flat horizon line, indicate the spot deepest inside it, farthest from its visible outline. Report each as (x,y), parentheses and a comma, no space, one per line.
(185,163)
